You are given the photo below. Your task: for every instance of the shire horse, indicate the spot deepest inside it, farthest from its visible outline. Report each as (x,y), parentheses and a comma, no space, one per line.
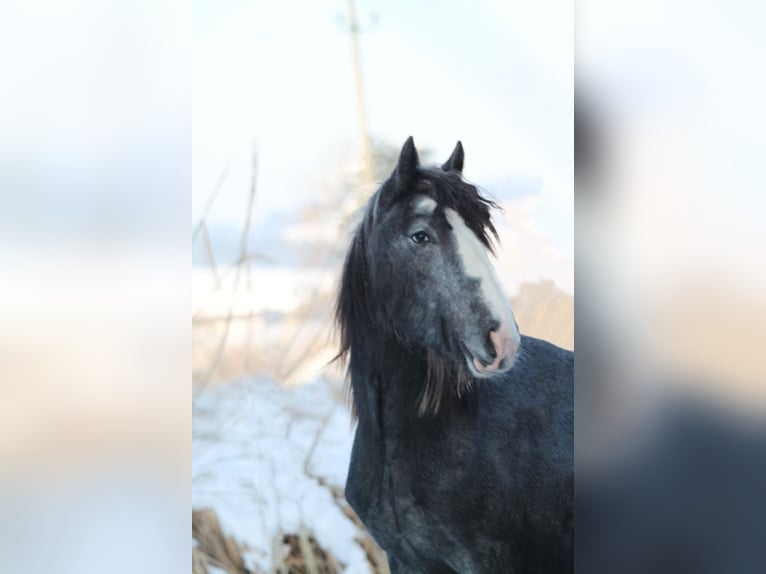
(463,454)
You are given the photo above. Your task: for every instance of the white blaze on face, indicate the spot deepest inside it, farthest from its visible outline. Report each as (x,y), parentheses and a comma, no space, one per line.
(425,205)
(476,264)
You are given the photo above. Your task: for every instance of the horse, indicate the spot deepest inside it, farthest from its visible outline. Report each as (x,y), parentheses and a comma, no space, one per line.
(462,460)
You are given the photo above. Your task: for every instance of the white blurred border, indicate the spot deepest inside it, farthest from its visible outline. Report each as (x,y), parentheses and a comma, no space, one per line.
(95,175)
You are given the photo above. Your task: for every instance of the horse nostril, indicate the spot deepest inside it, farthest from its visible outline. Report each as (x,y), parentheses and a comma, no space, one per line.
(494,326)
(490,345)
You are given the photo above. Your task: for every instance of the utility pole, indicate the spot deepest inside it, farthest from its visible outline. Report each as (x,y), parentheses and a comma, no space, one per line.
(368,176)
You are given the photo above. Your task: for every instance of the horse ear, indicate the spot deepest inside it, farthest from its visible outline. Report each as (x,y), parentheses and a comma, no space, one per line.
(401,178)
(455,161)
(408,164)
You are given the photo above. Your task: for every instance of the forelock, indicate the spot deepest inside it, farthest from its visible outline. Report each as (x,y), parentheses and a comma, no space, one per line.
(450,190)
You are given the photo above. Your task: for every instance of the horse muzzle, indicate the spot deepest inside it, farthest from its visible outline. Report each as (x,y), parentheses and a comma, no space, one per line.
(504,345)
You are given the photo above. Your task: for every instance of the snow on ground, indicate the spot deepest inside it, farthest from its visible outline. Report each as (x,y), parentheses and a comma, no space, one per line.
(258,449)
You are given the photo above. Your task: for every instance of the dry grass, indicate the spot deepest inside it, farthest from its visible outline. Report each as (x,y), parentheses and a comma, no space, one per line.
(303,555)
(291,554)
(214,548)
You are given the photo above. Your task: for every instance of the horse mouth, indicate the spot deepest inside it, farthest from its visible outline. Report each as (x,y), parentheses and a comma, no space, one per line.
(483,368)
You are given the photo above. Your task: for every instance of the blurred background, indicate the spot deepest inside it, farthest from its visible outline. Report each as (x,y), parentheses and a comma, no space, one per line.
(300,110)
(95,178)
(670,438)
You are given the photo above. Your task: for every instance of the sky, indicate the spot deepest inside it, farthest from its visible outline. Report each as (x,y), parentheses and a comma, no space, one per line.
(277,77)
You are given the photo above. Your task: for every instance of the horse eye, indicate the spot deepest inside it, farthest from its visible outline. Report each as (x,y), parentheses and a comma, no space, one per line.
(420,237)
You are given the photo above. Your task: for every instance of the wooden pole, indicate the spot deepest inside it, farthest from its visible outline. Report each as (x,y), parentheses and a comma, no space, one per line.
(364,134)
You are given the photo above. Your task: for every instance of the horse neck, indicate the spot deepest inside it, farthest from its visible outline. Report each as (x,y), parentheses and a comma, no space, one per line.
(386,379)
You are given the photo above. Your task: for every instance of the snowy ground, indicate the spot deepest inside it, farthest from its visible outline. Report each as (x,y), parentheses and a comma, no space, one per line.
(259,450)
